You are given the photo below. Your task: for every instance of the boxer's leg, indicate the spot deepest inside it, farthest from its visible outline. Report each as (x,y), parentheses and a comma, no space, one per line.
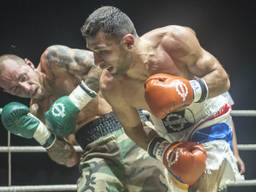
(210,181)
(214,178)
(100,168)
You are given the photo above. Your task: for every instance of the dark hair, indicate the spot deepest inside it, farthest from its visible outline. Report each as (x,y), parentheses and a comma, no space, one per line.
(109,20)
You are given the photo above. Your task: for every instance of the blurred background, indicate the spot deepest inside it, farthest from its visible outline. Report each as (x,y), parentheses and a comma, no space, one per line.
(225,28)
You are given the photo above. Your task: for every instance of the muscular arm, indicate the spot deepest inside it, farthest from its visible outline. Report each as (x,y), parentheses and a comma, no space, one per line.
(240,163)
(56,61)
(184,47)
(76,62)
(63,153)
(132,125)
(126,114)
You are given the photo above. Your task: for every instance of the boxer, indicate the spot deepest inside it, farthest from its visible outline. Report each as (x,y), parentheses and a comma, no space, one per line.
(167,72)
(60,70)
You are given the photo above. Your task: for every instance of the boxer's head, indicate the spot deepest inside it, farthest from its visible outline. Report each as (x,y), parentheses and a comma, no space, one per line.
(19,77)
(110,34)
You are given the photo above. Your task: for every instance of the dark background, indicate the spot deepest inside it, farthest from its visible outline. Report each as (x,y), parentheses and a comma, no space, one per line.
(225,28)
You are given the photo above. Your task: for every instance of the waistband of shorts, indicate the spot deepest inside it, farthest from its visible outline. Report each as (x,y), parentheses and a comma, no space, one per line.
(100,127)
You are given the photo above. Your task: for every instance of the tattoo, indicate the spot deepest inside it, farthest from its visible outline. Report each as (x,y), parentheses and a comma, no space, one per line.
(57,55)
(61,152)
(75,61)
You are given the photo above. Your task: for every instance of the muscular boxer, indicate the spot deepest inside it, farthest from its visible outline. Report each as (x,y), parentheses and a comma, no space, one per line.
(167,72)
(110,161)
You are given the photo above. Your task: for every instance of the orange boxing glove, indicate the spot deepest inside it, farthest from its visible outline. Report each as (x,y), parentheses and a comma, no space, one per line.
(165,93)
(184,160)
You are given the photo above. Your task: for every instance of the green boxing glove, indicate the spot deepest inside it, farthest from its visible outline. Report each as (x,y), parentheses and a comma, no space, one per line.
(17,119)
(62,115)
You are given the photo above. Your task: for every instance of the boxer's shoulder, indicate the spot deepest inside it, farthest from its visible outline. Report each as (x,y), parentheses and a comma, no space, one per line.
(175,31)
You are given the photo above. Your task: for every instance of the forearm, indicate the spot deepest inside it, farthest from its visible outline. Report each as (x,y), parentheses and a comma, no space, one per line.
(63,153)
(217,81)
(207,67)
(139,135)
(234,142)
(92,78)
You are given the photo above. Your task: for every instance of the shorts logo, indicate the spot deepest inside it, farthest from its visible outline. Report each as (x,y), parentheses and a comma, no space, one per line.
(176,121)
(58,110)
(181,89)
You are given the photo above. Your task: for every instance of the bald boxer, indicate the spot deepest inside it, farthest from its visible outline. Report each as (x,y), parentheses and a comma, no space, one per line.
(110,161)
(167,72)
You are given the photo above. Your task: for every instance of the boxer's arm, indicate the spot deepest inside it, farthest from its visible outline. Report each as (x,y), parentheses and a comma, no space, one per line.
(240,163)
(63,153)
(184,47)
(76,62)
(126,114)
(17,119)
(133,126)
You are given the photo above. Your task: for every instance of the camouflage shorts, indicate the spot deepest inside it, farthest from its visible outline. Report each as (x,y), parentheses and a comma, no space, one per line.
(114,163)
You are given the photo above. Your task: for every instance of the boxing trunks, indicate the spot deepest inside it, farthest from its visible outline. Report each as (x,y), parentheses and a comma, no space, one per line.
(207,123)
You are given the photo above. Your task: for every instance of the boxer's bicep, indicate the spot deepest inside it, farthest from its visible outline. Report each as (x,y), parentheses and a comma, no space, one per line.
(186,50)
(59,58)
(63,153)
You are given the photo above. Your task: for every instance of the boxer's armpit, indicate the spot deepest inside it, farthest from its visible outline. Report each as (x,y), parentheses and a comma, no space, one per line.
(63,153)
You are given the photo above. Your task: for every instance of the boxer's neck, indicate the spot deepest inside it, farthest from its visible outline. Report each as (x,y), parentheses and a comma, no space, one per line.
(142,54)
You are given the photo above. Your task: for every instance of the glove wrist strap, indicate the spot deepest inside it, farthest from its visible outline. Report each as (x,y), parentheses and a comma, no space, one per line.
(42,135)
(200,89)
(50,141)
(156,147)
(82,95)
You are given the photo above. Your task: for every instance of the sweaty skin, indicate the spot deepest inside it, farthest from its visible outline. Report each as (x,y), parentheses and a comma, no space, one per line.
(62,69)
(172,49)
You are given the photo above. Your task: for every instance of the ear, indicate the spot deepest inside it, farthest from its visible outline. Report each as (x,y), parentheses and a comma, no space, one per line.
(128,41)
(29,63)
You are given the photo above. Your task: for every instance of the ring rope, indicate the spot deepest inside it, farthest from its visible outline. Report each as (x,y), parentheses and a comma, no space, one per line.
(29,149)
(9,159)
(34,188)
(243,113)
(243,183)
(67,187)
(39,149)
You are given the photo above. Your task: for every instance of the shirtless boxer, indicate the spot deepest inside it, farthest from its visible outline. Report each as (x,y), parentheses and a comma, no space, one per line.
(168,73)
(111,161)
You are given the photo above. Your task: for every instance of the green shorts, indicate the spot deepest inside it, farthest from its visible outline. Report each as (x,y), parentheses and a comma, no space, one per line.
(114,163)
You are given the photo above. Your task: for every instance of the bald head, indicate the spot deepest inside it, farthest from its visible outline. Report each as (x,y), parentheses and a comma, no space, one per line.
(19,77)
(9,59)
